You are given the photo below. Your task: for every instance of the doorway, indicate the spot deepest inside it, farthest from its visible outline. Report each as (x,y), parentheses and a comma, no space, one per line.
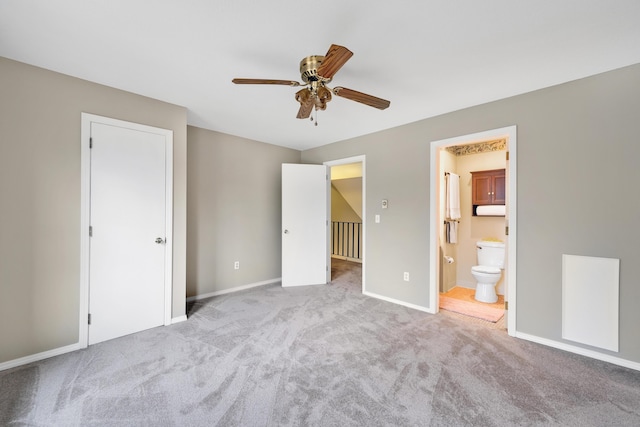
(348,206)
(126,244)
(436,220)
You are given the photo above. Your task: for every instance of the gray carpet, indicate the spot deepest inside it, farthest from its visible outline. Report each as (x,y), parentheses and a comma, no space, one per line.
(318,356)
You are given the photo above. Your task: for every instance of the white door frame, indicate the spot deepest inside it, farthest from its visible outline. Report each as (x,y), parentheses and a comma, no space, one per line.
(355,159)
(85,215)
(510,133)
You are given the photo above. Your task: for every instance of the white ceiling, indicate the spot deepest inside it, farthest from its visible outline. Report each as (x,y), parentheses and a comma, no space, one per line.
(427,57)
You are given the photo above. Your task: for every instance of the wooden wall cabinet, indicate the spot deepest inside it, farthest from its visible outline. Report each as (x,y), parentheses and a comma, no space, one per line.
(488,188)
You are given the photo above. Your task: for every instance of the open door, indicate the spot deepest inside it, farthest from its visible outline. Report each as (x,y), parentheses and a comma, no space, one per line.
(305,213)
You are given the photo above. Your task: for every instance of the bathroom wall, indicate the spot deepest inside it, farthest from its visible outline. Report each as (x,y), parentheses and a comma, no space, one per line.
(471,229)
(447,276)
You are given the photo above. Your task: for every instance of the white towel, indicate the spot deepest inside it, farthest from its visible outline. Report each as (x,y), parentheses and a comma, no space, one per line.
(453,197)
(453,232)
(491,210)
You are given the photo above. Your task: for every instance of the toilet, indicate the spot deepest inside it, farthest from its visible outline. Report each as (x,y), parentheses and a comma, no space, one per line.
(489,270)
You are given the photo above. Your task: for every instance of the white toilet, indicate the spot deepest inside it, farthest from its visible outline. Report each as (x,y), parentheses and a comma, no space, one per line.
(487,274)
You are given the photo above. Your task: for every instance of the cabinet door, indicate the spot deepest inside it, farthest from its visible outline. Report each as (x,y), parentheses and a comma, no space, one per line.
(481,185)
(499,190)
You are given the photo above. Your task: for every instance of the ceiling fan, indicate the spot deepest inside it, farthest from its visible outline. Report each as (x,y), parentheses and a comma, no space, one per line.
(316,71)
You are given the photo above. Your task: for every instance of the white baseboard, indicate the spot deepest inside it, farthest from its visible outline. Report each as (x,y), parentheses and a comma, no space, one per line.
(579,350)
(57,351)
(178,319)
(395,301)
(40,356)
(235,289)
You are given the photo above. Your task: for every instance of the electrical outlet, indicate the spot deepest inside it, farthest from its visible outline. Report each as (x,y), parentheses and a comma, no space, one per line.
(406,276)
(236,265)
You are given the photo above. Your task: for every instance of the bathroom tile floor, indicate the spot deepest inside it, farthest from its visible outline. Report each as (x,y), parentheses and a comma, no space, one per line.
(466,294)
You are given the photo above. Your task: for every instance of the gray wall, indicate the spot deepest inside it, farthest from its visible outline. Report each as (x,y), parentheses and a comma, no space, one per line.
(578,150)
(40,200)
(234,210)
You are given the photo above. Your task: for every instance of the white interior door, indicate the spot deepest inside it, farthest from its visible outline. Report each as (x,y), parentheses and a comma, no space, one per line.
(127,243)
(305,212)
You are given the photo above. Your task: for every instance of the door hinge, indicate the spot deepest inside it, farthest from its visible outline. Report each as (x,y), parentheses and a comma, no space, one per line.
(506,305)
(89,318)
(507,154)
(90,231)
(90,142)
(506,230)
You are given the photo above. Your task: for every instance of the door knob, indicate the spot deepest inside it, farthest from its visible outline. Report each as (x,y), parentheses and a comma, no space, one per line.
(159,240)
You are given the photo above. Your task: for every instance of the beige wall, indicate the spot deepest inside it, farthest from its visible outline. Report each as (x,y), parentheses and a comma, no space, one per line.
(577,180)
(447,277)
(234,211)
(577,175)
(40,200)
(341,210)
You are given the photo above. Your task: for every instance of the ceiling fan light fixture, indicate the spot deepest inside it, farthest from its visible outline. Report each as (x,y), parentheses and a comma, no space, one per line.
(302,96)
(323,95)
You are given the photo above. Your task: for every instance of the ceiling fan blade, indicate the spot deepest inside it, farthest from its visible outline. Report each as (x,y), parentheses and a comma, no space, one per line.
(335,58)
(363,98)
(305,109)
(265,82)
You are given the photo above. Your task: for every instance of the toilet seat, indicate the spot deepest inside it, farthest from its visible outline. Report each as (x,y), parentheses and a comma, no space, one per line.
(486,269)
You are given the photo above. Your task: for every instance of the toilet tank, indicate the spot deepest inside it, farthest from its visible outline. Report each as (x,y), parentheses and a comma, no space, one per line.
(490,253)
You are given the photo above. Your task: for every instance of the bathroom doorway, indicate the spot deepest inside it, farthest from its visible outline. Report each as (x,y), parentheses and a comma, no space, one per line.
(470,228)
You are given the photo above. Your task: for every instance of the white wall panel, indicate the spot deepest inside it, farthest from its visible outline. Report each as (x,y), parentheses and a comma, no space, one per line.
(590,302)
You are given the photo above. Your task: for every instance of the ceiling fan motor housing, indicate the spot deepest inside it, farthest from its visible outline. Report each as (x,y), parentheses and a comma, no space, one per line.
(309,69)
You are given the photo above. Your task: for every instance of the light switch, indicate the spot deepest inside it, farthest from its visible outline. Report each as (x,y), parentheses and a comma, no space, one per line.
(377,219)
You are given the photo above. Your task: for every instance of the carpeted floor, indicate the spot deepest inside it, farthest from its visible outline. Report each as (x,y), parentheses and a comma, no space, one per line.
(318,356)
